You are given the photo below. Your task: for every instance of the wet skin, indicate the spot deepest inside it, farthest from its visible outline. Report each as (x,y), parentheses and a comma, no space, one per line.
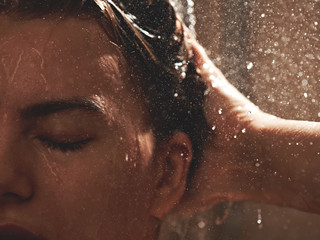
(75,146)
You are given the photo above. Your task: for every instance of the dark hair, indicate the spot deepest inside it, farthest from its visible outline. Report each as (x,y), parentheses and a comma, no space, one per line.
(150,32)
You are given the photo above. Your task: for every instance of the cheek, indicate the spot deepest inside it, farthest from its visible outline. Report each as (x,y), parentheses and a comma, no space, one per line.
(103,189)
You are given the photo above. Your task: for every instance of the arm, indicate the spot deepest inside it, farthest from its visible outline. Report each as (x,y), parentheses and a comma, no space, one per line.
(251,155)
(292,149)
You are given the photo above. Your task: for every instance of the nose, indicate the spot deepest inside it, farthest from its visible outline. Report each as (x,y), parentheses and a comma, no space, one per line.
(15,183)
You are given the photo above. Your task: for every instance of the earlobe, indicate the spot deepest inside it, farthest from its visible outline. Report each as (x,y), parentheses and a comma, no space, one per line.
(174,159)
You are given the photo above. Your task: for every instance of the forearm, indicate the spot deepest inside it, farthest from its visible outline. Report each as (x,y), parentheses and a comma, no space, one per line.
(251,155)
(289,155)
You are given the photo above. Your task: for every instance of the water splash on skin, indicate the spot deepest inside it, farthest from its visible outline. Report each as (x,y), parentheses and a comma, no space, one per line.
(41,57)
(10,77)
(41,67)
(49,165)
(13,75)
(146,146)
(110,65)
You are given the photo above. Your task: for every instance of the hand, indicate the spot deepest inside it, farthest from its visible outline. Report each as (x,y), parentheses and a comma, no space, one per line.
(249,154)
(229,167)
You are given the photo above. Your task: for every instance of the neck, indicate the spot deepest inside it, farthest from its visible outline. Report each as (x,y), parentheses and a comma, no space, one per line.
(152,230)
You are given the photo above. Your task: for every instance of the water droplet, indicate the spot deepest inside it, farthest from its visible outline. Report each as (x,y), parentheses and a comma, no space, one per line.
(206,92)
(305,95)
(235,136)
(304,82)
(318,114)
(211,70)
(220,111)
(263,15)
(316,23)
(213,128)
(214,80)
(259,220)
(183,75)
(243,130)
(201,224)
(127,157)
(249,65)
(205,66)
(175,95)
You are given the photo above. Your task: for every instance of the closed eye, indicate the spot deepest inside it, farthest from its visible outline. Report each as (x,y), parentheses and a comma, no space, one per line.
(64,146)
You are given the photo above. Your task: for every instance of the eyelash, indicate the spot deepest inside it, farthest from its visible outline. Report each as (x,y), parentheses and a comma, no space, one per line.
(64,146)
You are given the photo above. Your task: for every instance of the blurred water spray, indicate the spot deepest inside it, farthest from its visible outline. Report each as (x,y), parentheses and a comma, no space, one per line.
(185,9)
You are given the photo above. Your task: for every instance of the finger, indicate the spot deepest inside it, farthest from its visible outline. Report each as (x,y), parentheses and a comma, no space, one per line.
(200,54)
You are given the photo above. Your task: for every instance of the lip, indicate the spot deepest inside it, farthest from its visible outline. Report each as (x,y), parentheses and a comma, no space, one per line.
(14,232)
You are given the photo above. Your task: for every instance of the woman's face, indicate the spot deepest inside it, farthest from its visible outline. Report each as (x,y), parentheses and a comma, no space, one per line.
(75,144)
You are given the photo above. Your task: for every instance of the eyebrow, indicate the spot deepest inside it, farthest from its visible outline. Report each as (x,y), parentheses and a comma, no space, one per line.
(51,107)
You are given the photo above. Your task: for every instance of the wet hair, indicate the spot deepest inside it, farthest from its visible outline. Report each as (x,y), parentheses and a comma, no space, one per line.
(151,33)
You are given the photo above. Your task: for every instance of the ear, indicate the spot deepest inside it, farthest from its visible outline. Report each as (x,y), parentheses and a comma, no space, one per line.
(173,160)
